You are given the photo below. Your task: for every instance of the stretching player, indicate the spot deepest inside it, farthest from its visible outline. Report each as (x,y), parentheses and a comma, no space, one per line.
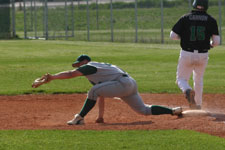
(109,81)
(194,30)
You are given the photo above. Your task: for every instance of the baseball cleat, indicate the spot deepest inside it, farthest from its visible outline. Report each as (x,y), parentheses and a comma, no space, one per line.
(190,96)
(177,111)
(77,120)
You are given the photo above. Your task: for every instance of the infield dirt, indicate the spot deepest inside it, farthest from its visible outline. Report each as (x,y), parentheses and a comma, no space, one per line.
(53,111)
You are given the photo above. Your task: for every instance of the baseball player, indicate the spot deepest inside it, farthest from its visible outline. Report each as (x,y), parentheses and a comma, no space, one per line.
(197,32)
(108,81)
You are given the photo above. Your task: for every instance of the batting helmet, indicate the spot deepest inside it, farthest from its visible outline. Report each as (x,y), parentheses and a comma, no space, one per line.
(200,4)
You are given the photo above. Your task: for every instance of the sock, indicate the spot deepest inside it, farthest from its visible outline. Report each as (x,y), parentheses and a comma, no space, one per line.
(159,110)
(88,105)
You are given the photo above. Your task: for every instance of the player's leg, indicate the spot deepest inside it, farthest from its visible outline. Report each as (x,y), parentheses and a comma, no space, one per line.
(118,88)
(136,103)
(198,77)
(184,70)
(79,118)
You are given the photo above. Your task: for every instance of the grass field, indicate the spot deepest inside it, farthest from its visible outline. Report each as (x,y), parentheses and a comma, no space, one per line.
(110,140)
(152,65)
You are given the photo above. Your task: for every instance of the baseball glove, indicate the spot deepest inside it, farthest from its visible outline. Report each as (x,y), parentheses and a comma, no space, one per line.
(39,81)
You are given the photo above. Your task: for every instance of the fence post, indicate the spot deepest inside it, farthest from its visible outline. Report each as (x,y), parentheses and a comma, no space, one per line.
(25,17)
(35,20)
(13,19)
(162,32)
(46,19)
(220,20)
(72,18)
(88,26)
(136,23)
(190,5)
(97,14)
(111,19)
(31,14)
(66,20)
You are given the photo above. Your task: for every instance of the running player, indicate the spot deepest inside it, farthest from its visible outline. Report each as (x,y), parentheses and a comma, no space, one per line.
(194,30)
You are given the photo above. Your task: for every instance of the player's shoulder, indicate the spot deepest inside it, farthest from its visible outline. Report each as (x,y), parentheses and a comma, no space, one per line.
(94,63)
(211,17)
(186,15)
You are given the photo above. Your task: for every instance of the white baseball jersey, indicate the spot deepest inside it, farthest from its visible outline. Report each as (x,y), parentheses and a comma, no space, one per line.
(105,72)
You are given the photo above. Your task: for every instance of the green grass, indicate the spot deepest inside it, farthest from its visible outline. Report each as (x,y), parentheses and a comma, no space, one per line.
(152,65)
(111,140)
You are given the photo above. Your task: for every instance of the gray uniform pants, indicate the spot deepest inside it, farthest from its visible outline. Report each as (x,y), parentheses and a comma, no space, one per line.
(124,88)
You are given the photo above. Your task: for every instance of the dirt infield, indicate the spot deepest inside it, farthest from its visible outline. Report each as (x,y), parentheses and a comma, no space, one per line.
(53,111)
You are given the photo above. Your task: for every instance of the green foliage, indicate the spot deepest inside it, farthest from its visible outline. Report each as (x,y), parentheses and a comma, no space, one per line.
(152,65)
(110,140)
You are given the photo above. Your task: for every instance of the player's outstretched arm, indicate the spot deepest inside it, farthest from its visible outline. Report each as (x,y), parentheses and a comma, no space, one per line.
(66,75)
(62,75)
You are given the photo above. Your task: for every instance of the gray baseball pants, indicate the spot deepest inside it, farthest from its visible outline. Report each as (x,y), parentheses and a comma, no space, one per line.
(124,88)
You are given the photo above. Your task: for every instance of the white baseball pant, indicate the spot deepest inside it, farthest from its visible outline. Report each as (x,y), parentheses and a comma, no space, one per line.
(192,62)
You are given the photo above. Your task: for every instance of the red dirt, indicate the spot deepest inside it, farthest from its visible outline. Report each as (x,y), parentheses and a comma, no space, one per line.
(53,111)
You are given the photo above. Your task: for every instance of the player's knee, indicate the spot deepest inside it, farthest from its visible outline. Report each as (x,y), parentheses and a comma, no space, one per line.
(145,110)
(92,94)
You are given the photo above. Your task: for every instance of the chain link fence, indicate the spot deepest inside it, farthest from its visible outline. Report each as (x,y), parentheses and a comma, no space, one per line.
(144,21)
(48,20)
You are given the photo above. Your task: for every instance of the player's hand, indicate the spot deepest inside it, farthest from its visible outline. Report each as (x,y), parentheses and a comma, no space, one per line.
(39,81)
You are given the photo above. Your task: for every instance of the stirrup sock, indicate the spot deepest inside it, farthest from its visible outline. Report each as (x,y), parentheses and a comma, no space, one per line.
(88,105)
(159,110)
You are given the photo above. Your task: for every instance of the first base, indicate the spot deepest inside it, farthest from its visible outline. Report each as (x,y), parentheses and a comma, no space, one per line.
(195,113)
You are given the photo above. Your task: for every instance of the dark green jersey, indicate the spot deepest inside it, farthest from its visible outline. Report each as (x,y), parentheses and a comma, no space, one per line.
(195,30)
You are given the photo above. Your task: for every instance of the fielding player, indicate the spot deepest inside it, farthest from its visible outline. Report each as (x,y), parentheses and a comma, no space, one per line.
(108,81)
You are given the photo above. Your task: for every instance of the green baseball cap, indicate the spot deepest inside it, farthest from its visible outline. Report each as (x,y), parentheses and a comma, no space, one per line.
(81,58)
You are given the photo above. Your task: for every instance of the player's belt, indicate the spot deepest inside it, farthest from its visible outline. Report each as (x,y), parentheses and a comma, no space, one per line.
(125,75)
(199,51)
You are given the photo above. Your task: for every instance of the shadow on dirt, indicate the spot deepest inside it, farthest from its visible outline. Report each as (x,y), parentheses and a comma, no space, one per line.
(132,123)
(218,117)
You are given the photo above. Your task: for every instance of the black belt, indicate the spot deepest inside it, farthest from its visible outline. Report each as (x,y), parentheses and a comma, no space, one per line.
(199,51)
(125,75)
